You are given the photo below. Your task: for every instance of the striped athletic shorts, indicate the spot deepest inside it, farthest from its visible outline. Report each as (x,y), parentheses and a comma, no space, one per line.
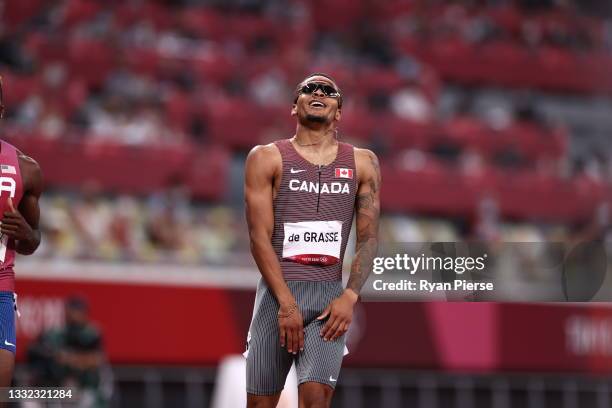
(268,363)
(7,321)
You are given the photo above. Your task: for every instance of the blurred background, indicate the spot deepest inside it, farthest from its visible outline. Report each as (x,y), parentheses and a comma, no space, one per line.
(492,120)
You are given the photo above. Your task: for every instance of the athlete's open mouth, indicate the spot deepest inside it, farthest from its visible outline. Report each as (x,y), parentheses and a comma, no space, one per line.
(317,104)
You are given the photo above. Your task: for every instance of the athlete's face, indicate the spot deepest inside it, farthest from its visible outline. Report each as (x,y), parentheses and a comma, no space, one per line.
(316,106)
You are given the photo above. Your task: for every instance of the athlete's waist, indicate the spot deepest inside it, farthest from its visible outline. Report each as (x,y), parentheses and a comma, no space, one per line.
(307,282)
(313,276)
(7,273)
(7,295)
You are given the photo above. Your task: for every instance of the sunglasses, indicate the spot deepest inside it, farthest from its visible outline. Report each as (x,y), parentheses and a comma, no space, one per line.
(327,90)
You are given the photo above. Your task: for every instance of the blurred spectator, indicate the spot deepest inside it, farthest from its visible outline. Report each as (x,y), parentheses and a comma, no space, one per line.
(471,164)
(73,356)
(271,89)
(91,217)
(487,226)
(411,104)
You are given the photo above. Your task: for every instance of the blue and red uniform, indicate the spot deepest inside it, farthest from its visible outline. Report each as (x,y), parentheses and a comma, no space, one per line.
(11,186)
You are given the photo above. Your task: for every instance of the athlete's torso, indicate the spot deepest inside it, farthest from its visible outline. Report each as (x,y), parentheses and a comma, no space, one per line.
(10,186)
(313,214)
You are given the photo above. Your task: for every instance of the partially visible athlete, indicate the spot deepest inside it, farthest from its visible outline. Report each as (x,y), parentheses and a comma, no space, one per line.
(20,189)
(301,195)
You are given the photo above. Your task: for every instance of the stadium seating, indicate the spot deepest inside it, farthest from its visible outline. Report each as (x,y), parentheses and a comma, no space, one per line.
(225,80)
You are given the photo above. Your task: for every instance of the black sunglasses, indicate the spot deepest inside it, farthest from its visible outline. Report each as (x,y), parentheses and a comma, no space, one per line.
(327,90)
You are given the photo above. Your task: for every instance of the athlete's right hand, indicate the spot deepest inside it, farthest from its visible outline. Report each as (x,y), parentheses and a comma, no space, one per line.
(291,327)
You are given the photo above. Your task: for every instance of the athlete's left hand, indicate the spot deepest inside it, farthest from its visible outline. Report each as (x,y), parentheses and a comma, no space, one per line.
(340,312)
(14,225)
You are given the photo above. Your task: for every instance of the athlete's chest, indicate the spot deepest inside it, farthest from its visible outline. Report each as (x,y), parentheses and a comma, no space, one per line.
(10,179)
(334,179)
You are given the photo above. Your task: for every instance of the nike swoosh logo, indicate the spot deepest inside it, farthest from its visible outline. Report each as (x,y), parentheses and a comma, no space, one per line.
(332,379)
(293,171)
(6,343)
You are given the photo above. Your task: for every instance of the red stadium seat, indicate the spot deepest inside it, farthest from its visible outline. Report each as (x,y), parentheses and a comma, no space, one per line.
(77,11)
(213,66)
(91,60)
(16,12)
(143,60)
(17,88)
(203,22)
(178,109)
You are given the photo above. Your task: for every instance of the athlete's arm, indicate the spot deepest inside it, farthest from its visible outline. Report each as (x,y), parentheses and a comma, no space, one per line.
(21,224)
(262,166)
(367,205)
(367,213)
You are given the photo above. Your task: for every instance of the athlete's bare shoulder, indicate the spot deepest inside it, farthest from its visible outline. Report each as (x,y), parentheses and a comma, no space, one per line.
(27,161)
(31,174)
(366,163)
(264,159)
(363,154)
(267,151)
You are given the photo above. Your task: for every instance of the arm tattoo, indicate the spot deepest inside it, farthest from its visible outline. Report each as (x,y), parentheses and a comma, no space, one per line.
(368,211)
(375,182)
(365,201)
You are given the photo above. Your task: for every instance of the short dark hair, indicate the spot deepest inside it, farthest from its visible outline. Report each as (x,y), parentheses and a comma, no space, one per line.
(299,86)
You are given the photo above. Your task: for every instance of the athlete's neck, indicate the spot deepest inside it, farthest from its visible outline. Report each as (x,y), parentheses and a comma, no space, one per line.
(315,138)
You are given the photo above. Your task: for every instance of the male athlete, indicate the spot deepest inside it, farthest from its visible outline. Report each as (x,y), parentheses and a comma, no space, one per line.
(301,194)
(20,189)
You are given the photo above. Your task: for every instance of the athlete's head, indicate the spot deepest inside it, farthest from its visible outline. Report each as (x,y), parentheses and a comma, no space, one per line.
(317,100)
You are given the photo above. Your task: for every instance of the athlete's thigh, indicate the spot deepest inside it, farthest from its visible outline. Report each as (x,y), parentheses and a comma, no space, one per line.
(267,365)
(7,338)
(7,363)
(267,362)
(321,360)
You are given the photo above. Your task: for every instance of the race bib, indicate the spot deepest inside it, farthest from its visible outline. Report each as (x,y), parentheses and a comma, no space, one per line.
(313,242)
